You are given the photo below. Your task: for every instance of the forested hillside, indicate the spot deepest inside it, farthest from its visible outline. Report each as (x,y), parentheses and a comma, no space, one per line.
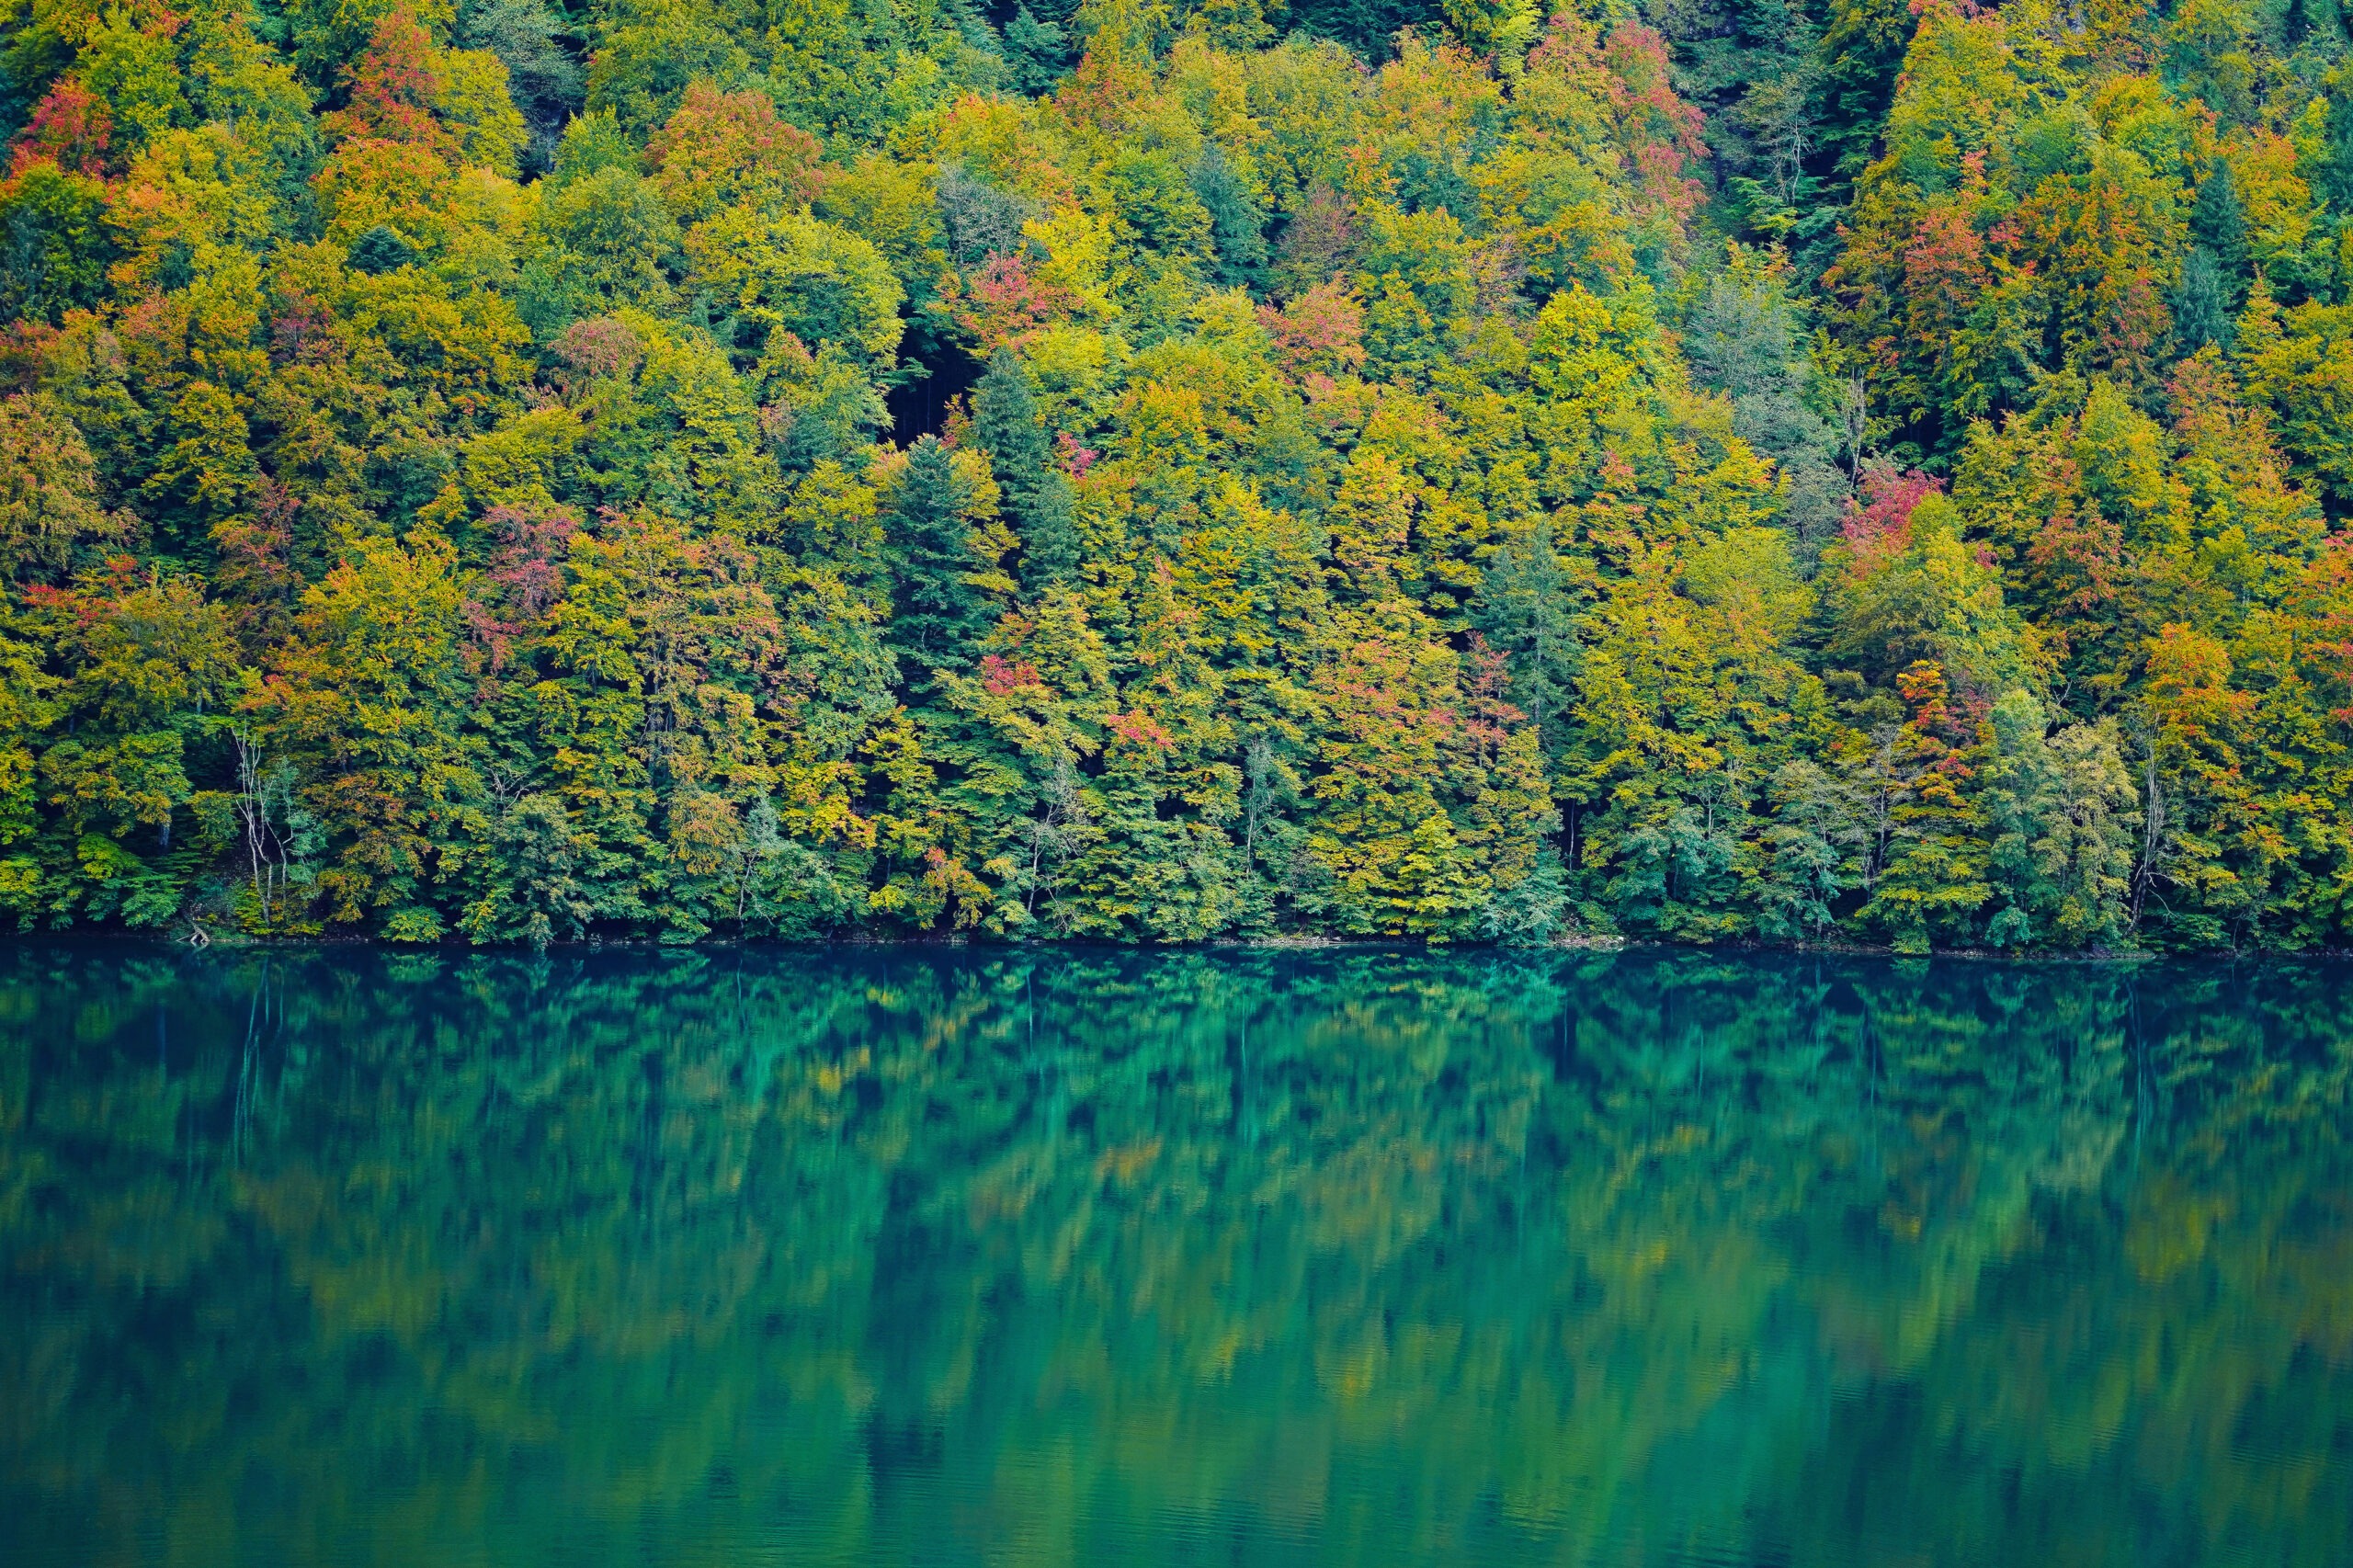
(1711,469)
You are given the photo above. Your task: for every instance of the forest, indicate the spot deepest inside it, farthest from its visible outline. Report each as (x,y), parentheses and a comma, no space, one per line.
(1811,471)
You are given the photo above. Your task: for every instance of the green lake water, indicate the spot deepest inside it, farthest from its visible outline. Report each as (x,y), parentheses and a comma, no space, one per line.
(971,1256)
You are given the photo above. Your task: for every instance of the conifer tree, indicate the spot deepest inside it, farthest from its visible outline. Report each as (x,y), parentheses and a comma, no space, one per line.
(938,612)
(1237,226)
(2218,220)
(1862,49)
(2201,305)
(1005,424)
(1035,50)
(1527,613)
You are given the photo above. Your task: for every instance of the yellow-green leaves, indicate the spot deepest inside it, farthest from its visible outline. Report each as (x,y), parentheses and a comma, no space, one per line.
(51,520)
(797,275)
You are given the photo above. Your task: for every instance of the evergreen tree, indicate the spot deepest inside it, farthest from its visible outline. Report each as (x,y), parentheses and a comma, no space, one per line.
(1526,611)
(1862,51)
(2219,222)
(1007,426)
(1035,50)
(2214,273)
(938,611)
(1237,229)
(2201,305)
(2335,179)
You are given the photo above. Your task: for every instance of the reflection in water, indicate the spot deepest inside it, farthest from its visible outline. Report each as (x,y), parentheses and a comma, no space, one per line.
(941,1256)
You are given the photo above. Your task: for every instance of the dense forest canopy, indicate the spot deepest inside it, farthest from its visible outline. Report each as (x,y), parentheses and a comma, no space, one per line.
(1712,469)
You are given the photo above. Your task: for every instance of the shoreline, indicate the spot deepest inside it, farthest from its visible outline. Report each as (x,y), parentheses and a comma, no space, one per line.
(1287,943)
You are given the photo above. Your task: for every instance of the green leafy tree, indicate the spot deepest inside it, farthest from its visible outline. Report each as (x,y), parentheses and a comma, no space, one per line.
(2066,826)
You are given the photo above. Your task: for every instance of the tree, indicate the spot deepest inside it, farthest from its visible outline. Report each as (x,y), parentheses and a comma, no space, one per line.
(1925,861)
(2065,824)
(1035,49)
(1742,342)
(1237,229)
(938,611)
(1812,851)
(2203,304)
(528,39)
(1007,425)
(54,249)
(51,522)
(2219,222)
(1528,611)
(1862,49)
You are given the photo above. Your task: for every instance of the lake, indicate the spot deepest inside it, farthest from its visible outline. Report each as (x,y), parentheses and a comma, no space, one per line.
(988,1256)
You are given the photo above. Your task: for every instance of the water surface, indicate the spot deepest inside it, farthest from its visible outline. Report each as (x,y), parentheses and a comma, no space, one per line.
(961,1256)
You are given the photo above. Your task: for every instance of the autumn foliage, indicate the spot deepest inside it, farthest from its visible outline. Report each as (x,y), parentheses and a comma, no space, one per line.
(510,474)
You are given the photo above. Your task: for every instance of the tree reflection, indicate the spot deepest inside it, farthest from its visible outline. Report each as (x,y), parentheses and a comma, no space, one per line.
(895,1254)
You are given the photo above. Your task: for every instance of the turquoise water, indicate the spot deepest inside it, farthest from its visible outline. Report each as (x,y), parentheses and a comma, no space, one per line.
(963,1256)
